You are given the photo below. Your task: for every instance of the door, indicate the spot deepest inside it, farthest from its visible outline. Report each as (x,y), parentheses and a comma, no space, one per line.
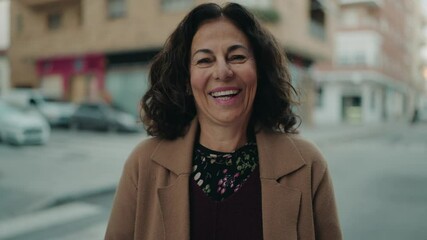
(352,109)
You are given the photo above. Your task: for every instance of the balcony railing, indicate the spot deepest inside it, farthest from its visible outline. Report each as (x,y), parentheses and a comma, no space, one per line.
(371,3)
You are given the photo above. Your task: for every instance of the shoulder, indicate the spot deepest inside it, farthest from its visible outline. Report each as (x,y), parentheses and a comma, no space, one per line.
(145,148)
(313,158)
(139,158)
(307,150)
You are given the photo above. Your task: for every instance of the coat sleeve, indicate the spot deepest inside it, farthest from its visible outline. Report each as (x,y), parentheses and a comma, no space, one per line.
(122,219)
(326,221)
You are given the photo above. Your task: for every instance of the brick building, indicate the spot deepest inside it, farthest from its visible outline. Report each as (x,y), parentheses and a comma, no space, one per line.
(80,50)
(375,73)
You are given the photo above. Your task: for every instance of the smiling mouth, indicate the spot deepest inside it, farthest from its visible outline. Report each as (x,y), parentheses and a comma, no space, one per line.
(227,94)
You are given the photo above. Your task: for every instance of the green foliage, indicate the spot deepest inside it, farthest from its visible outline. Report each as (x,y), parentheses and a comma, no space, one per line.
(269,15)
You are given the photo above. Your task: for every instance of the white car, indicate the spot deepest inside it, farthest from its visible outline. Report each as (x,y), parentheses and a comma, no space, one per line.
(58,114)
(22,125)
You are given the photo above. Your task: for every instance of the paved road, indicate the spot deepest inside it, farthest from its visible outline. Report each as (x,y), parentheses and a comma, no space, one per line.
(379,182)
(34,179)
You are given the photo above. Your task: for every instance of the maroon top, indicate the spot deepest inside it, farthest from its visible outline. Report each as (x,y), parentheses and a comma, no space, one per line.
(239,216)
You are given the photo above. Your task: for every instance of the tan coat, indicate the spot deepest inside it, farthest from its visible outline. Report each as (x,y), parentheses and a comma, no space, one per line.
(152,199)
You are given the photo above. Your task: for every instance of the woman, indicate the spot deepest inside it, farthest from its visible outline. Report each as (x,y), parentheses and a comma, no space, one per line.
(225,161)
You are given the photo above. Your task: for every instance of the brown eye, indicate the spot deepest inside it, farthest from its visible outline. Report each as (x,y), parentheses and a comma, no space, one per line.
(204,62)
(237,58)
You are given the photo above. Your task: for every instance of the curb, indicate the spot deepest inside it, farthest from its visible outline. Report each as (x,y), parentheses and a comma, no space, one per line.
(71,197)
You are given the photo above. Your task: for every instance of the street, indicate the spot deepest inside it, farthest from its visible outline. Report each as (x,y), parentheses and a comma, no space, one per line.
(379,181)
(38,183)
(380,184)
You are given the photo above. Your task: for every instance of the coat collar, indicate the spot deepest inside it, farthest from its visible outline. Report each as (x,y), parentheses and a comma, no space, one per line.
(273,149)
(177,155)
(278,154)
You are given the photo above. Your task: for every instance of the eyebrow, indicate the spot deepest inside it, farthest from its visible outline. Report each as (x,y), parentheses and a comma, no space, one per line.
(229,49)
(235,47)
(204,50)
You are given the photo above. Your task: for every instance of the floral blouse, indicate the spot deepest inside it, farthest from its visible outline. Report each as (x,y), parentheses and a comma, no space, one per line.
(220,174)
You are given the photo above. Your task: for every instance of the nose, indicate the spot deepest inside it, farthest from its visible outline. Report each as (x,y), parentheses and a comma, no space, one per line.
(223,70)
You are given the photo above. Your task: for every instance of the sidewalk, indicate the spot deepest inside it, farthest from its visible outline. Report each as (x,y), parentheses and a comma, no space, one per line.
(330,134)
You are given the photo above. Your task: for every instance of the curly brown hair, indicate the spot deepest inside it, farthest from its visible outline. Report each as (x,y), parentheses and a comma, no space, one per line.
(167,108)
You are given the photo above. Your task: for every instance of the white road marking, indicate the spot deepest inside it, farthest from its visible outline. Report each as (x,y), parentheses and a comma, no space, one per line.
(43,219)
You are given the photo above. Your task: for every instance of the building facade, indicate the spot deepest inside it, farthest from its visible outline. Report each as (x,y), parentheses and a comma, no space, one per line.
(4,73)
(376,71)
(90,50)
(4,45)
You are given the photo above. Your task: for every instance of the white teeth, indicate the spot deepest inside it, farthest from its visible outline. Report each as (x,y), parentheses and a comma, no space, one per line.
(224,93)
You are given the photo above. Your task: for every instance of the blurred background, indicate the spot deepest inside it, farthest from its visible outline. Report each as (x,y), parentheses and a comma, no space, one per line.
(72,73)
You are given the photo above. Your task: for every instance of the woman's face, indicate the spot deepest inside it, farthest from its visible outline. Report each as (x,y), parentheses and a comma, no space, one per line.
(223,73)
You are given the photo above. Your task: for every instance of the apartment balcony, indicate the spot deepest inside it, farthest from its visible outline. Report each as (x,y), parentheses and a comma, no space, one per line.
(37,3)
(370,3)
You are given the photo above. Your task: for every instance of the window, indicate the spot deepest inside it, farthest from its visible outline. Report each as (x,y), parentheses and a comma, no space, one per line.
(353,58)
(78,65)
(116,8)
(19,23)
(319,97)
(54,21)
(373,99)
(176,5)
(317,20)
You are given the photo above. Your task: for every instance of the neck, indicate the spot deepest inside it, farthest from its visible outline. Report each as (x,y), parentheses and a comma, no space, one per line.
(223,138)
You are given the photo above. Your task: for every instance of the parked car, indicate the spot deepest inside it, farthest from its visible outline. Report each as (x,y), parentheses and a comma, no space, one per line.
(22,125)
(57,113)
(100,116)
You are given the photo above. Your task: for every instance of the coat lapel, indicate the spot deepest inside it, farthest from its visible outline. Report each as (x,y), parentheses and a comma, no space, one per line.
(278,157)
(174,199)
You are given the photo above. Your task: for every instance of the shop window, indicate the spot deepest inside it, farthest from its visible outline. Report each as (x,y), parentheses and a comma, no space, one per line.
(78,65)
(54,21)
(352,109)
(319,97)
(116,8)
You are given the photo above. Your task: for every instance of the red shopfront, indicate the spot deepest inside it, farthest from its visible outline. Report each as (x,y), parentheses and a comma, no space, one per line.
(73,78)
